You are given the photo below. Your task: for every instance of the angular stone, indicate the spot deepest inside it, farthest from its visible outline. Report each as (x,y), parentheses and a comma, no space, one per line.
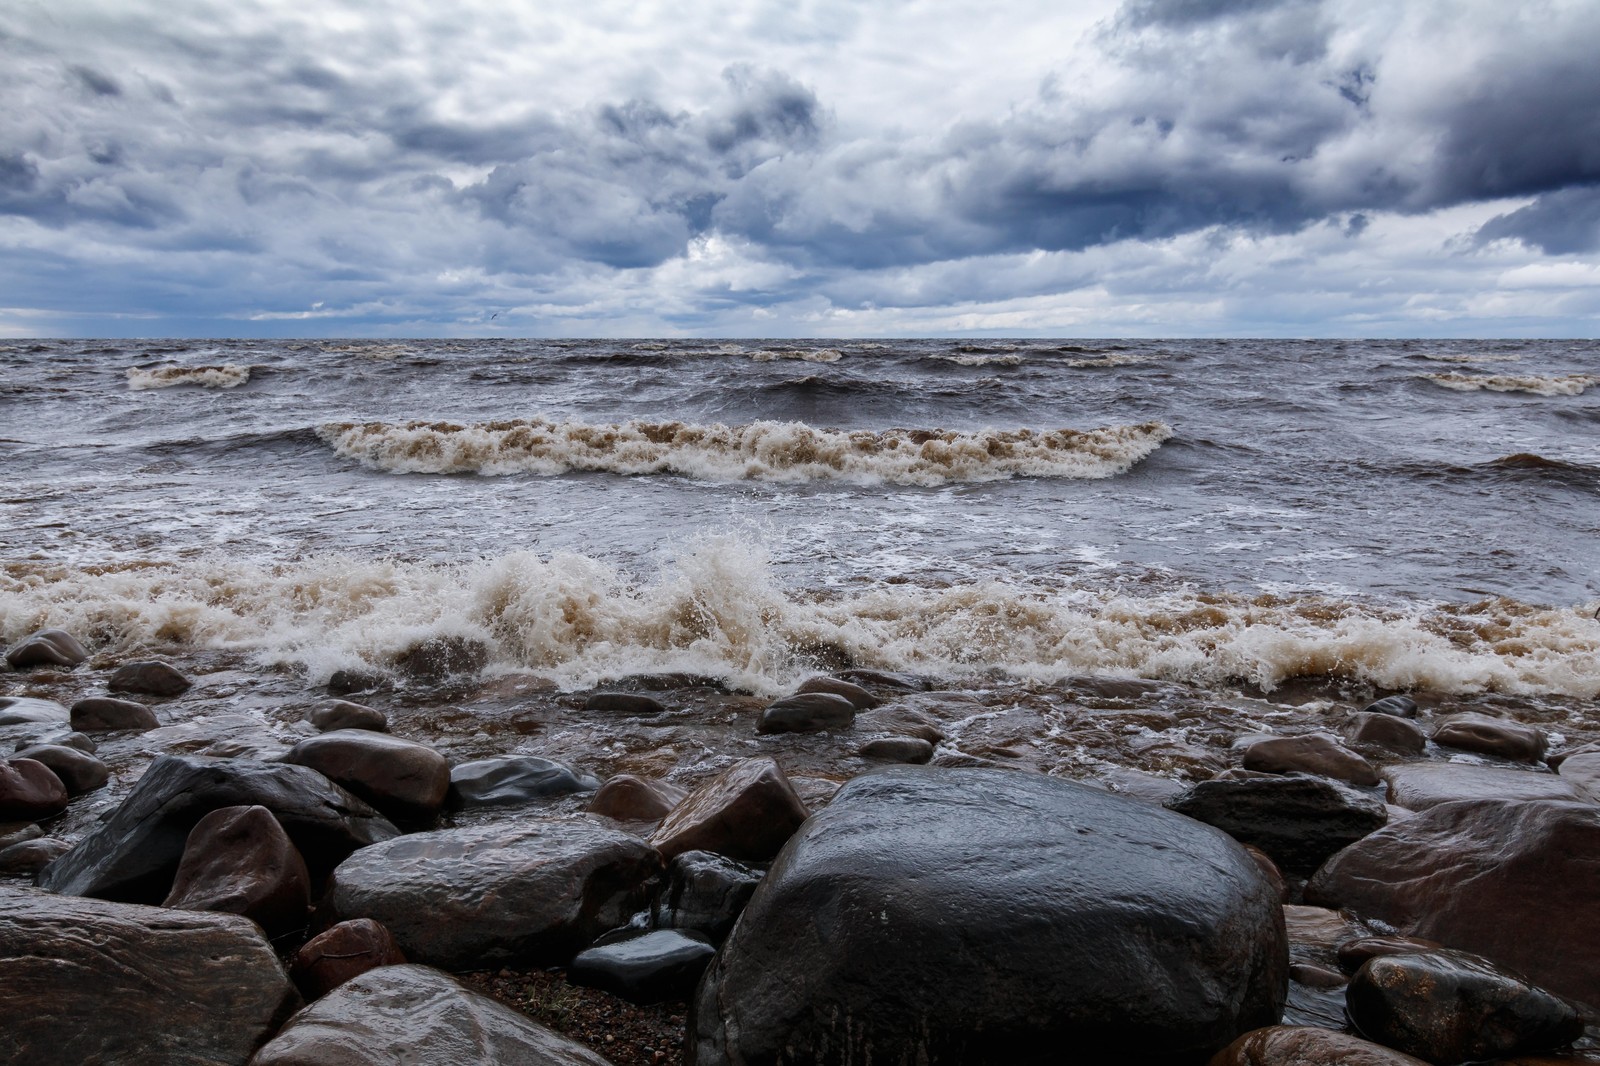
(1398,706)
(1491,736)
(28,857)
(240,861)
(405,780)
(1509,880)
(29,790)
(746,812)
(1303,1045)
(812,712)
(624,703)
(644,967)
(628,798)
(1386,732)
(533,892)
(48,647)
(1311,753)
(913,750)
(1298,821)
(134,854)
(420,1017)
(985,917)
(1418,786)
(341,952)
(79,771)
(1452,1007)
(507,780)
(342,714)
(706,892)
(151,678)
(85,981)
(106,714)
(859,697)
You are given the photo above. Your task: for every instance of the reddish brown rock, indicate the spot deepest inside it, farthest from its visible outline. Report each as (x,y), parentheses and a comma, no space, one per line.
(28,857)
(1471,731)
(860,697)
(1556,760)
(151,678)
(79,771)
(1299,1045)
(902,720)
(341,952)
(342,714)
(48,647)
(628,798)
(1269,870)
(1385,732)
(747,812)
(238,860)
(1353,953)
(106,714)
(912,750)
(1316,927)
(29,790)
(1313,753)
(405,780)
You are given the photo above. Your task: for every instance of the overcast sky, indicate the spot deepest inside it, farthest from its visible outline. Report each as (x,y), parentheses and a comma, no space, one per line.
(799,168)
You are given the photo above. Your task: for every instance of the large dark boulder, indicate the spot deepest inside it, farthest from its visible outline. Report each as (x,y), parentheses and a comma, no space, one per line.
(1511,880)
(86,981)
(532,892)
(404,779)
(239,860)
(979,916)
(1297,821)
(134,855)
(420,1017)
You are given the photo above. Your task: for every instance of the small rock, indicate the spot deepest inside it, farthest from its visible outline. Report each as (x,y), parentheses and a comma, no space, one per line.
(706,892)
(902,720)
(344,682)
(898,749)
(342,714)
(508,780)
(240,861)
(437,658)
(1312,753)
(1451,1007)
(1313,976)
(1398,706)
(1418,786)
(79,771)
(48,647)
(812,712)
(1386,732)
(1303,1045)
(1141,784)
(105,714)
(341,952)
(74,739)
(644,967)
(1269,870)
(405,780)
(1582,772)
(1491,736)
(151,678)
(1353,953)
(884,679)
(859,697)
(1558,759)
(1298,821)
(636,799)
(633,703)
(746,812)
(29,790)
(16,832)
(24,719)
(28,857)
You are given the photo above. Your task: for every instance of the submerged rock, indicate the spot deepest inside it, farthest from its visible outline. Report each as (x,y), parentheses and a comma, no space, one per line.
(438,658)
(810,712)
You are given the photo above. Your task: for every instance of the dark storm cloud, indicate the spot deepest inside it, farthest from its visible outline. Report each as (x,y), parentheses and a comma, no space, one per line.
(1564,222)
(1189,12)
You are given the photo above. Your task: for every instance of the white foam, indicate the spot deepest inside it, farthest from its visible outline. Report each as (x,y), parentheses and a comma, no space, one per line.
(208,377)
(766,451)
(1441,357)
(982,359)
(1561,385)
(809,355)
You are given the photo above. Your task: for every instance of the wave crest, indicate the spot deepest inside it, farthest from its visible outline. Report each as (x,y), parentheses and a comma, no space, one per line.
(1556,385)
(207,377)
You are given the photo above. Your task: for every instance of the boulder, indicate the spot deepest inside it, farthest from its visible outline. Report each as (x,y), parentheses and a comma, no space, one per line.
(29,790)
(507,780)
(84,981)
(151,678)
(624,703)
(240,861)
(902,719)
(79,771)
(405,780)
(342,714)
(1312,753)
(134,855)
(1397,706)
(1297,821)
(811,712)
(706,892)
(859,697)
(417,1016)
(438,658)
(1451,1007)
(1385,732)
(986,917)
(106,714)
(1303,1045)
(344,682)
(48,647)
(527,892)
(1417,786)
(341,952)
(628,798)
(913,750)
(1471,731)
(746,812)
(1509,880)
(644,966)
(1558,759)
(1582,773)
(27,857)
(25,719)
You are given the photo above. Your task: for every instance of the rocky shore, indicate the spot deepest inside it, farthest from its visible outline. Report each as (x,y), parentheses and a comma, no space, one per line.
(202,861)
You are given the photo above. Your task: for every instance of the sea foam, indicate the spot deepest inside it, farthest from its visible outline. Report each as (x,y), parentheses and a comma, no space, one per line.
(1558,385)
(166,377)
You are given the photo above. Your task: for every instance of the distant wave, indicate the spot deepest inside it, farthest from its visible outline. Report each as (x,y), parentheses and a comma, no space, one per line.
(764,451)
(1562,385)
(370,351)
(809,355)
(1446,357)
(982,358)
(208,377)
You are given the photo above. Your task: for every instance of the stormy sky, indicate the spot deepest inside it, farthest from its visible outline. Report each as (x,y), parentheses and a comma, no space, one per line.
(799,168)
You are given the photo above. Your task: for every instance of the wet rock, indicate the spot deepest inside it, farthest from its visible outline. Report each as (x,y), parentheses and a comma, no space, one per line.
(1582,773)
(1558,759)
(226,736)
(878,929)
(533,892)
(405,780)
(1269,870)
(70,740)
(240,861)
(344,682)
(146,984)
(644,967)
(633,703)
(1316,928)
(107,714)
(1303,1045)
(48,647)
(1312,753)
(1385,732)
(884,679)
(79,771)
(1354,953)
(152,678)
(1141,784)
(815,792)
(342,714)
(1115,688)
(812,712)
(29,790)
(507,780)
(636,799)
(438,658)
(746,812)
(706,892)
(28,857)
(1298,821)
(1313,976)
(1398,706)
(341,952)
(16,832)
(417,1016)
(1510,880)
(1451,1007)
(1491,736)
(913,750)
(134,855)
(902,719)
(25,719)
(1418,786)
(859,698)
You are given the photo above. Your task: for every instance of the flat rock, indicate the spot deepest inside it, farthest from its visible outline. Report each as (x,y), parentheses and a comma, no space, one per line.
(533,892)
(1297,821)
(1452,1007)
(859,697)
(634,703)
(1141,784)
(240,861)
(340,952)
(420,1017)
(47,647)
(405,780)
(24,719)
(1302,1045)
(706,892)
(27,857)
(746,812)
(810,712)
(647,967)
(134,855)
(1471,731)
(508,780)
(79,771)
(629,798)
(913,750)
(1582,773)
(1511,880)
(1417,786)
(342,714)
(1386,733)
(984,917)
(1311,753)
(884,679)
(29,790)
(107,714)
(151,677)
(85,981)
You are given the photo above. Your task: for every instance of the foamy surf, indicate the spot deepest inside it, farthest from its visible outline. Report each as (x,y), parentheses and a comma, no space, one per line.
(1558,385)
(808,355)
(762,451)
(720,611)
(206,377)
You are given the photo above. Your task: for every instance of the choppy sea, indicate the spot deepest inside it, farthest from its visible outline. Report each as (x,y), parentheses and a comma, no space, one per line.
(1413,514)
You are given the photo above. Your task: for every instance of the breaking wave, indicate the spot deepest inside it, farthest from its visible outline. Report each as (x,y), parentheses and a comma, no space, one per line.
(809,355)
(764,451)
(208,377)
(1561,385)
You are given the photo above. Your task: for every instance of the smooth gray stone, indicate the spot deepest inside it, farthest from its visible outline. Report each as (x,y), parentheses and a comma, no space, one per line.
(645,967)
(1418,786)
(512,779)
